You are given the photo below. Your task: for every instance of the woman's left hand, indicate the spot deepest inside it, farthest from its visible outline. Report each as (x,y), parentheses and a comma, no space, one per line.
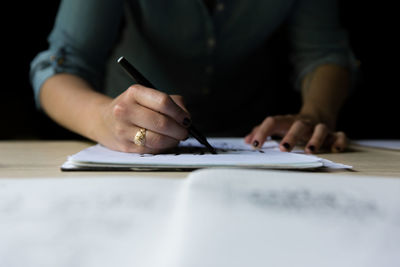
(295,130)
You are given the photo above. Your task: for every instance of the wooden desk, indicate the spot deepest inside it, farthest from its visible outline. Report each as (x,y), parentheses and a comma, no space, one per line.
(44,158)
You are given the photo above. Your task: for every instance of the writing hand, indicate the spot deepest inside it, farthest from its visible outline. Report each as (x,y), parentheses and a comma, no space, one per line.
(163,116)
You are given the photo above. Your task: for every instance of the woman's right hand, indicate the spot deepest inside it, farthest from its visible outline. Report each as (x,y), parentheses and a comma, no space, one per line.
(163,116)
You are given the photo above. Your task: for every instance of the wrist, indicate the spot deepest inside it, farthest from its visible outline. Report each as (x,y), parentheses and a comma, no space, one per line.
(324,91)
(319,115)
(96,119)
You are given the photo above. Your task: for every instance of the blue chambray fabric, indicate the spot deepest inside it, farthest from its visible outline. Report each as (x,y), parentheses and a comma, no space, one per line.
(184,49)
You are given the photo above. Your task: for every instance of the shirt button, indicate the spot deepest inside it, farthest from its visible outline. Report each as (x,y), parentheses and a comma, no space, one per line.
(220,7)
(59,60)
(211,42)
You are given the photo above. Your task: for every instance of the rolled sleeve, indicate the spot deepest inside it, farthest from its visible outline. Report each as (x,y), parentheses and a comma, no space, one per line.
(317,38)
(40,71)
(59,60)
(80,42)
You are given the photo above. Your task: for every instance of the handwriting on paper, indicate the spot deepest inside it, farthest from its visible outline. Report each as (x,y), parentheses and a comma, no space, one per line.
(303,200)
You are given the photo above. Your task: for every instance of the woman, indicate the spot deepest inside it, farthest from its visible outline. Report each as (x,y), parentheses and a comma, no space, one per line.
(212,54)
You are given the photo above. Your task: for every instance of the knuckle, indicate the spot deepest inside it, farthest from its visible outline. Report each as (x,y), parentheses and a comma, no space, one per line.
(163,100)
(120,130)
(119,111)
(132,90)
(155,141)
(341,134)
(322,126)
(305,121)
(302,128)
(161,124)
(302,123)
(341,138)
(270,120)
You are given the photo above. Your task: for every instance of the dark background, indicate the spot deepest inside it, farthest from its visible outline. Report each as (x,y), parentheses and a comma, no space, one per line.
(371,112)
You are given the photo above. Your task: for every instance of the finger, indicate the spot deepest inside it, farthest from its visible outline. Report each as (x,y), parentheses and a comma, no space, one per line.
(317,138)
(156,141)
(149,119)
(153,143)
(159,102)
(340,143)
(128,146)
(265,129)
(249,137)
(298,131)
(159,123)
(180,101)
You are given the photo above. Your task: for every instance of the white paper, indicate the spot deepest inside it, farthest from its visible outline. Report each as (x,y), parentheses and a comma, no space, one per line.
(232,152)
(283,219)
(84,222)
(387,144)
(213,218)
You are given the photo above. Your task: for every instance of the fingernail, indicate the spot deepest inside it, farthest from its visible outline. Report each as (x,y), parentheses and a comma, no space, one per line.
(186,122)
(311,148)
(256,143)
(338,149)
(286,145)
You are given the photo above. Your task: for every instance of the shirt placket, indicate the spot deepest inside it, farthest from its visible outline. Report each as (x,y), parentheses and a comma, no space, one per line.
(212,23)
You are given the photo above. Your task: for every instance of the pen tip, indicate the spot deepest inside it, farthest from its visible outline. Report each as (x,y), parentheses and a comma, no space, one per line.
(211,149)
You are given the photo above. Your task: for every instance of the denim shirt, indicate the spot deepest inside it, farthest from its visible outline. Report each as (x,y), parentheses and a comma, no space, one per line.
(183,48)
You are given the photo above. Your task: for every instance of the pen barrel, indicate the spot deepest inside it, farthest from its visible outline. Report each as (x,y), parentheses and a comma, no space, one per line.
(134,73)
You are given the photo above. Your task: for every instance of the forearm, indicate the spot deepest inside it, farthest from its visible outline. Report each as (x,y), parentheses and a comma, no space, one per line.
(323,92)
(71,102)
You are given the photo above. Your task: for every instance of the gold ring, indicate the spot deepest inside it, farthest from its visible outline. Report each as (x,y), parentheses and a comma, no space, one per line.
(140,137)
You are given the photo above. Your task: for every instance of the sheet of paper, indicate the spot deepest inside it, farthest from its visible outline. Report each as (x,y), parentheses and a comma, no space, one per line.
(232,152)
(387,144)
(283,219)
(84,222)
(213,218)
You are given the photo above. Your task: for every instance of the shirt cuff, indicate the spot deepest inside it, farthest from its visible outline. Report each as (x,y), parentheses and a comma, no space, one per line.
(347,61)
(41,69)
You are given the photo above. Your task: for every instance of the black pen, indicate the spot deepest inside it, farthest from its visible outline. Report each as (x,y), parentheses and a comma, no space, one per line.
(140,79)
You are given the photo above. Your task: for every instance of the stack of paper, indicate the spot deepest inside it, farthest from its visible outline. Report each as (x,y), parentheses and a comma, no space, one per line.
(214,218)
(232,152)
(393,144)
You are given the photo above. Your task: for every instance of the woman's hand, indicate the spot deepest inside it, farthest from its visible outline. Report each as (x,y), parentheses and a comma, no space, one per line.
(164,118)
(324,90)
(297,129)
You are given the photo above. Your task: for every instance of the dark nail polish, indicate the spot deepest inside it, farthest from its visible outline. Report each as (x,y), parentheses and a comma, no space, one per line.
(338,148)
(186,122)
(286,145)
(256,143)
(311,148)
